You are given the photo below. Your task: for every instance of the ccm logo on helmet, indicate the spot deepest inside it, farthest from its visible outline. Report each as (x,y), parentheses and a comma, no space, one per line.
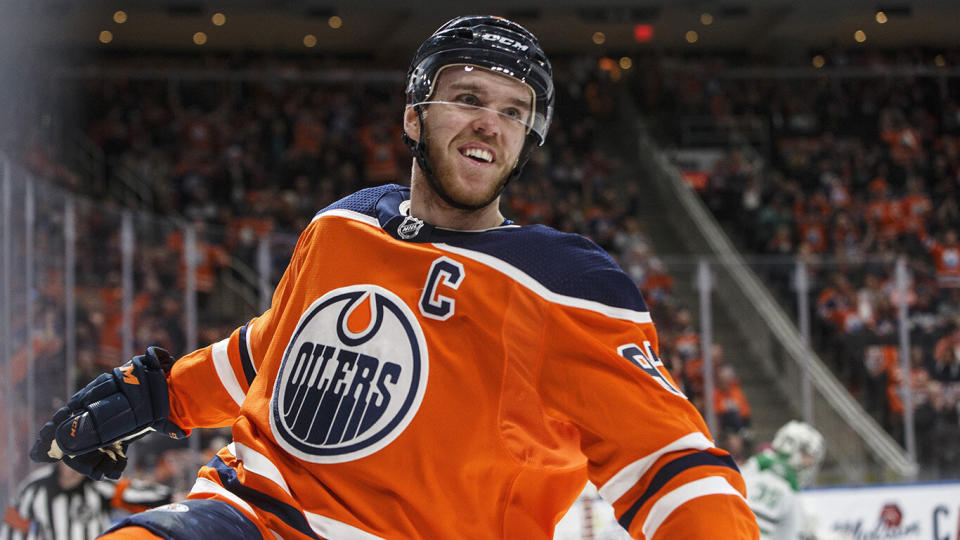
(505,41)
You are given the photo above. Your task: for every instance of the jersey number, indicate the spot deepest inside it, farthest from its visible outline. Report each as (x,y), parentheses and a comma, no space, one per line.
(649,362)
(446,272)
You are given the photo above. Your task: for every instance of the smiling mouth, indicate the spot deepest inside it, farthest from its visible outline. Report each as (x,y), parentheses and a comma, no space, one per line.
(478,154)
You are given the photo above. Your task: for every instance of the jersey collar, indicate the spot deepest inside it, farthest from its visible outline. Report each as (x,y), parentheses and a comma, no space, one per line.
(393,213)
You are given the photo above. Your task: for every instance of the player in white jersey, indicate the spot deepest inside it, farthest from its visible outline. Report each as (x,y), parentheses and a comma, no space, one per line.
(774,477)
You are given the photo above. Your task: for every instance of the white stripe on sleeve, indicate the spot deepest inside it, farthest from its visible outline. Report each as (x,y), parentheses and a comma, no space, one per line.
(258,464)
(203,485)
(628,476)
(221,362)
(331,528)
(713,485)
(246,344)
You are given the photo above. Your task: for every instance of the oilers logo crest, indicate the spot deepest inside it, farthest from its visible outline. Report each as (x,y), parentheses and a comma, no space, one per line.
(352,378)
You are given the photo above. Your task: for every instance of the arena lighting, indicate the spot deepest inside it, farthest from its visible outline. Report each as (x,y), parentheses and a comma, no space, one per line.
(881,17)
(706,19)
(200,38)
(610,67)
(643,33)
(218,19)
(818,61)
(860,36)
(120,16)
(599,38)
(939,60)
(626,62)
(692,36)
(106,36)
(309,40)
(335,22)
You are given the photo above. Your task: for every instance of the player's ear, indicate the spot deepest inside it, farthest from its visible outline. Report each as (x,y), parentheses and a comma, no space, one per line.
(411,123)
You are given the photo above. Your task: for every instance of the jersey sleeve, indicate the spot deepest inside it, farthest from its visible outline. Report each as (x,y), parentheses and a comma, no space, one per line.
(648,448)
(208,386)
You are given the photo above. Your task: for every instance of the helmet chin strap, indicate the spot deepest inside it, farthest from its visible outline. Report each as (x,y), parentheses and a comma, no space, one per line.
(419,150)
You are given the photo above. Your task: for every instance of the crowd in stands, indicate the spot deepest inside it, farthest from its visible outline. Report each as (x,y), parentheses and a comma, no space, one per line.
(856,172)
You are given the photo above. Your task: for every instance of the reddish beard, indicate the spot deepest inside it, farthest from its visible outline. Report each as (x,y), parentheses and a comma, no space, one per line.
(444,170)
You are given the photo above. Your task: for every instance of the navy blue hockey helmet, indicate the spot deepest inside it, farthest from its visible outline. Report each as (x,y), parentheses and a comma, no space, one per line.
(493,43)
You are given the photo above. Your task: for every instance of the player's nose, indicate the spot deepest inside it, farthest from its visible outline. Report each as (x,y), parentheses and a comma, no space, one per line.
(486,121)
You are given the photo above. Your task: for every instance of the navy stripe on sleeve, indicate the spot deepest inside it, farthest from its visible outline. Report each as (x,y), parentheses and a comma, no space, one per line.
(248,370)
(668,472)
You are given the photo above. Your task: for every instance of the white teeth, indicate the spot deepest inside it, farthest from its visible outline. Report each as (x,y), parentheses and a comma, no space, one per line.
(479,154)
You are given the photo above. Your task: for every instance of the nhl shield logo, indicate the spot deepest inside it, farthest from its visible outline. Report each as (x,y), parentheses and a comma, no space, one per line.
(352,378)
(409,228)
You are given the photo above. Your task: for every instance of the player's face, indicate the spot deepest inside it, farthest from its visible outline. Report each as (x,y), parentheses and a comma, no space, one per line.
(475,125)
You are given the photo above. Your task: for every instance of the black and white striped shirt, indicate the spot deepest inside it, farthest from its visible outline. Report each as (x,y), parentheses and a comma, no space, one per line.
(43,510)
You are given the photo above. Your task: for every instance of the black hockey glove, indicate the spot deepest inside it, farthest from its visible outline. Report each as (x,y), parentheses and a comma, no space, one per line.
(92,432)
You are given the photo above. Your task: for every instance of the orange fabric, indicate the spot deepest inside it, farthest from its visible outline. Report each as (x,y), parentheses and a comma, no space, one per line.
(687,343)
(688,524)
(919,378)
(308,136)
(941,351)
(731,399)
(529,426)
(698,180)
(46,343)
(947,261)
(693,371)
(904,143)
(813,231)
(130,533)
(210,258)
(13,518)
(739,522)
(118,502)
(382,154)
(917,204)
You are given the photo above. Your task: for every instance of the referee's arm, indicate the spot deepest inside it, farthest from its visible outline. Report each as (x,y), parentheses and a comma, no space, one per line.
(133,497)
(19,521)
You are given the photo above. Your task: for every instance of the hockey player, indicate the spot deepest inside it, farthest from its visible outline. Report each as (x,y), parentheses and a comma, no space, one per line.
(775,475)
(427,369)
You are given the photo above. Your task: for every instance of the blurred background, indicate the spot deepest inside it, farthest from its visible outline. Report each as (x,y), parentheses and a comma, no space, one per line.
(781,180)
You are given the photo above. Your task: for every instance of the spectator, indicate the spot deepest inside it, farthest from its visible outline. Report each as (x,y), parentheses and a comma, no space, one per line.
(729,402)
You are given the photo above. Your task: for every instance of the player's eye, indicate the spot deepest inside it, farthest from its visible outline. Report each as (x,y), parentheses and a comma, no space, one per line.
(514,113)
(468,99)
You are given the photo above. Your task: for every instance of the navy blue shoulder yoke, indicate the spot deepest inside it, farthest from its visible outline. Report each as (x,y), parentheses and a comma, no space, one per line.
(564,263)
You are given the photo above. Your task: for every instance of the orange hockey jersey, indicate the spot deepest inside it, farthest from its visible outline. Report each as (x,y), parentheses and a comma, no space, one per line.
(417,382)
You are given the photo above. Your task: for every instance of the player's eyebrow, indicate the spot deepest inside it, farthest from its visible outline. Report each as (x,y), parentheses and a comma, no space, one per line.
(474,87)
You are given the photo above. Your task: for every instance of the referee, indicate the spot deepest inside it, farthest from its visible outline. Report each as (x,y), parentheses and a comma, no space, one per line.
(57,503)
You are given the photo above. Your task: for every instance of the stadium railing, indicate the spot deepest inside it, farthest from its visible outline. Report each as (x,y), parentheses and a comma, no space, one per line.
(853,432)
